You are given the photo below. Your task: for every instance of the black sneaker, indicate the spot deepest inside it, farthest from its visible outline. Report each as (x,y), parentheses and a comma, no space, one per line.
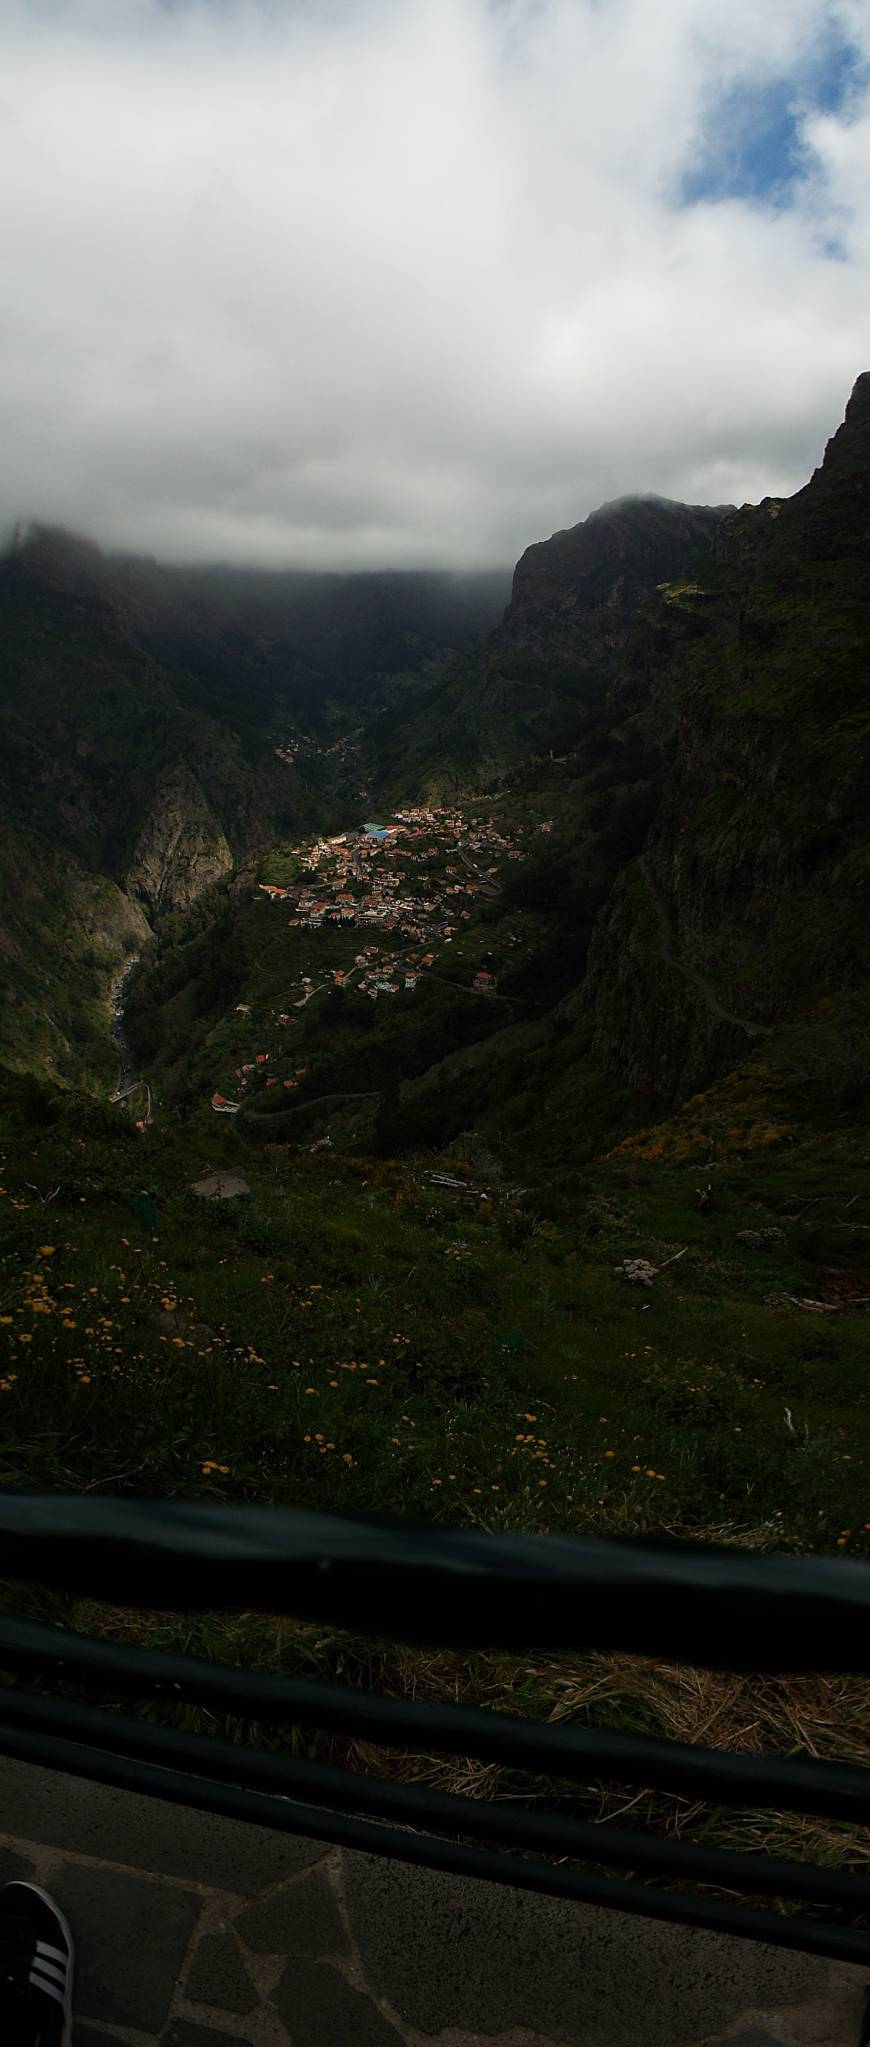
(36,1969)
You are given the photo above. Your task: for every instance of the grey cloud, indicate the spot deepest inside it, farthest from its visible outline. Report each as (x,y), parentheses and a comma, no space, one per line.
(406,283)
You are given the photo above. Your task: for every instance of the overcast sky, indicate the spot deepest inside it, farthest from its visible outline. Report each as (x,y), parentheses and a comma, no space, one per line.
(357,283)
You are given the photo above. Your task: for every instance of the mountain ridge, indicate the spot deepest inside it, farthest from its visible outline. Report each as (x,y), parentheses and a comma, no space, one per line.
(669,669)
(144,715)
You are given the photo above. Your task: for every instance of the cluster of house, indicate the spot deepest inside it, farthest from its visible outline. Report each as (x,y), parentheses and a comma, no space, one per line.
(298,746)
(359,878)
(253,1070)
(416,878)
(387,973)
(363,879)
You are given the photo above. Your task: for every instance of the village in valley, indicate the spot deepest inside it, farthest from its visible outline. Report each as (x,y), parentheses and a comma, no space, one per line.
(372,912)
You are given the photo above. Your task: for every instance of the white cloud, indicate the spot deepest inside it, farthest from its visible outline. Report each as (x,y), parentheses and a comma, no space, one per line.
(408,281)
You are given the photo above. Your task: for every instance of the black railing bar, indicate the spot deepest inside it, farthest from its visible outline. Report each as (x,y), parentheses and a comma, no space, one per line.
(726,1609)
(791,1783)
(806,1936)
(513,1825)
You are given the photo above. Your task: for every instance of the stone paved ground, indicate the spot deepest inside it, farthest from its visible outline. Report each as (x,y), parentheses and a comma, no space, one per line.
(199,1932)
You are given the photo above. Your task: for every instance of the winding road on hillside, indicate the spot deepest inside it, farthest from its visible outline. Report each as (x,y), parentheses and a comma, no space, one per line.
(692,974)
(487,886)
(298,1108)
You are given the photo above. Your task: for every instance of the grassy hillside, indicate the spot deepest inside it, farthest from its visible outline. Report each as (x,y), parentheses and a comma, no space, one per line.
(352,1335)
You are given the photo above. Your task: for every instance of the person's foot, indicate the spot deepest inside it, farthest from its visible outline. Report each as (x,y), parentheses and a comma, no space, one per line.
(36,1969)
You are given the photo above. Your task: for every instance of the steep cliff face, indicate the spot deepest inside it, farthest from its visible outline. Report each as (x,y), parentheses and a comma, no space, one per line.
(546,670)
(577,594)
(751,900)
(182,848)
(92,723)
(64,931)
(118,799)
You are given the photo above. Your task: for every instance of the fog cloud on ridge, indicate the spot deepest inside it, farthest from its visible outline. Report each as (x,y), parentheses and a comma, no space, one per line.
(414,282)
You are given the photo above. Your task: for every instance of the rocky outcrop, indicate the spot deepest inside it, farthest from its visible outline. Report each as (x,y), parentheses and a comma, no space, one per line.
(557,654)
(182,848)
(575,596)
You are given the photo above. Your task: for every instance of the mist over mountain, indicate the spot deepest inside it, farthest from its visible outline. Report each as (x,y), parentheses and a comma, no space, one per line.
(472,977)
(435,954)
(678,667)
(144,712)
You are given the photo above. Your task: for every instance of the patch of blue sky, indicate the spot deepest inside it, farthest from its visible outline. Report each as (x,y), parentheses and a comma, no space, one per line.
(752,143)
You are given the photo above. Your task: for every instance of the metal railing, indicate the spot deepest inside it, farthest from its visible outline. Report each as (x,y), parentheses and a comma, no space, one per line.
(725,1609)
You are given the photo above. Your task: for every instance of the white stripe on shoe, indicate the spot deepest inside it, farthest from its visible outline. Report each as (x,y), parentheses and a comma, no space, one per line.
(66,1930)
(48,1988)
(50,1969)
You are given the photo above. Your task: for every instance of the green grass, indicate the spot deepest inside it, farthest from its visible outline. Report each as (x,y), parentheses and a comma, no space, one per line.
(351,1340)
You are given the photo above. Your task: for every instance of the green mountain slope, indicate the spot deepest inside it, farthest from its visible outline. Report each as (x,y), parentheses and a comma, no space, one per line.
(705,883)
(144,719)
(541,681)
(585,1249)
(751,902)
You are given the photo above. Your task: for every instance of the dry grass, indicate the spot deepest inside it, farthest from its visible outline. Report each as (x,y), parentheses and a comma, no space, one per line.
(826,1717)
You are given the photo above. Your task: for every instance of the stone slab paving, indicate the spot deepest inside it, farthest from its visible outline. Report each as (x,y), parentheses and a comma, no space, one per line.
(194,1931)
